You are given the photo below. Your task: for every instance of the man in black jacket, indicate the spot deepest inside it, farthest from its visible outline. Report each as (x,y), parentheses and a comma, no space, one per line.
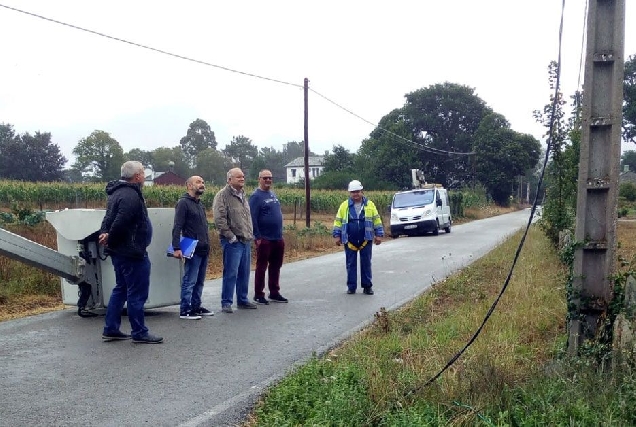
(190,221)
(126,232)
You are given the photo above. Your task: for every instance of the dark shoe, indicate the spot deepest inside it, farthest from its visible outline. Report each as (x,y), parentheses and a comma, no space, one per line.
(115,336)
(261,300)
(189,316)
(148,339)
(278,298)
(227,309)
(367,291)
(351,291)
(247,305)
(202,311)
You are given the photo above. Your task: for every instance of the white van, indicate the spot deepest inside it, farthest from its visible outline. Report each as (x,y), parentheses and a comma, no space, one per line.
(420,211)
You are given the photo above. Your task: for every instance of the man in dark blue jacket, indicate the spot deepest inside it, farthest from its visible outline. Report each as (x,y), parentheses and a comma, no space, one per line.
(190,221)
(267,222)
(126,232)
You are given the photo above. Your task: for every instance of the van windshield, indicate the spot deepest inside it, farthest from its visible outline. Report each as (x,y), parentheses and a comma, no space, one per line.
(414,198)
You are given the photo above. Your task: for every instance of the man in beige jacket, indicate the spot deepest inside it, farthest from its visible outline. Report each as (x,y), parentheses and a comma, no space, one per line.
(234,223)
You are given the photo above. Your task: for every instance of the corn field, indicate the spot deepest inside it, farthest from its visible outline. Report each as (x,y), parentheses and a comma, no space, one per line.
(55,195)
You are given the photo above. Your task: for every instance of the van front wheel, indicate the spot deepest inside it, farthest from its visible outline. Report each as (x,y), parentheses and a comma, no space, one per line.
(436,231)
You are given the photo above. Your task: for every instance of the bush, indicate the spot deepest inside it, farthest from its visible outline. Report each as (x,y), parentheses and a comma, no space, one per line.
(628,191)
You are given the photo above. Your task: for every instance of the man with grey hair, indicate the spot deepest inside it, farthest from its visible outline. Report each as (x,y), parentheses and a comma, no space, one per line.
(126,232)
(234,223)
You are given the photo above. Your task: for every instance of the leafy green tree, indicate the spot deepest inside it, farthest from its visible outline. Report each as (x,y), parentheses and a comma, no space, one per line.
(170,159)
(100,156)
(561,175)
(212,166)
(6,132)
(386,156)
(272,159)
(143,156)
(445,117)
(628,191)
(628,158)
(294,149)
(199,137)
(339,160)
(629,98)
(29,157)
(501,155)
(241,151)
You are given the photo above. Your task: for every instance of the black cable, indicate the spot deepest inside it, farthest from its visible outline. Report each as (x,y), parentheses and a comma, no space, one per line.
(532,211)
(150,48)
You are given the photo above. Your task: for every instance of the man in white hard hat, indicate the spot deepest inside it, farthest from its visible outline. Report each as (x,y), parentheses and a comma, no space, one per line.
(357,225)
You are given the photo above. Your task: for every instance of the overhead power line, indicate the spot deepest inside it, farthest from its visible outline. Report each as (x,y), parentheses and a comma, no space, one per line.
(413,143)
(97,33)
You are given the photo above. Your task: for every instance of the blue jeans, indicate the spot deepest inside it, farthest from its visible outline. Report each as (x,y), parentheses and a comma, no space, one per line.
(132,278)
(192,283)
(351,257)
(237,259)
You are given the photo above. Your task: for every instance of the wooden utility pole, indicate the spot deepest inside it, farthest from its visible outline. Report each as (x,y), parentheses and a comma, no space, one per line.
(307,190)
(596,216)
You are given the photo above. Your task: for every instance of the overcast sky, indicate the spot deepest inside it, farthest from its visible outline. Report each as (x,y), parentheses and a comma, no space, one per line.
(364,55)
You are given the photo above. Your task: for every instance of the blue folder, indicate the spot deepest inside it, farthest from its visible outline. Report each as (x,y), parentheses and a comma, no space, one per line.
(188,246)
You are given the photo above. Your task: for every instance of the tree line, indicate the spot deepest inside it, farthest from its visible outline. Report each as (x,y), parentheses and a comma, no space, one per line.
(434,125)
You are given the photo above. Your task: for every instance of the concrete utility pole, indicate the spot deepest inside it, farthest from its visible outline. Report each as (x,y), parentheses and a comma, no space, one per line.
(596,206)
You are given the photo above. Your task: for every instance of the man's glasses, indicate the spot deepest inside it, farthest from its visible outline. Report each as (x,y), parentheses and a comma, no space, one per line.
(266,178)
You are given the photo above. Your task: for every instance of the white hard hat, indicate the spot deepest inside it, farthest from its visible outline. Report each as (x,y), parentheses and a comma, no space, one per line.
(355,185)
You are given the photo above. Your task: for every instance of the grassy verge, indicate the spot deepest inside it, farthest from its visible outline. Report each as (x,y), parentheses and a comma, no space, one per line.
(513,374)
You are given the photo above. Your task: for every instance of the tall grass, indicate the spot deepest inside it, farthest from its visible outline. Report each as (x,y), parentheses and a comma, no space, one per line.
(391,361)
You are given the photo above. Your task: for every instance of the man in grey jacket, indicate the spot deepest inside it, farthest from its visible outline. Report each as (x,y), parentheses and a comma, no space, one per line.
(234,223)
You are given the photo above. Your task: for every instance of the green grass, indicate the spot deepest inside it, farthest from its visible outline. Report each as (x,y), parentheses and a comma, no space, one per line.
(515,374)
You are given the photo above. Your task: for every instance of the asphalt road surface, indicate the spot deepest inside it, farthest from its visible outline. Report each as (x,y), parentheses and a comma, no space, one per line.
(56,371)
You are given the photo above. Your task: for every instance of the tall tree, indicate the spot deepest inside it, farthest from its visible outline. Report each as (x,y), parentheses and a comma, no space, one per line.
(212,166)
(628,158)
(241,151)
(294,149)
(171,159)
(445,117)
(339,160)
(199,137)
(100,156)
(272,159)
(562,172)
(29,157)
(501,155)
(629,98)
(143,156)
(387,156)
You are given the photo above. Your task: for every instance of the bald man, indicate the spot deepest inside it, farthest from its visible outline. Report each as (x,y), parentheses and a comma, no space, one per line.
(190,221)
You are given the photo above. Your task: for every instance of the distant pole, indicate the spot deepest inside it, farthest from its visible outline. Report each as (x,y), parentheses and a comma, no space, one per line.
(597,197)
(307,192)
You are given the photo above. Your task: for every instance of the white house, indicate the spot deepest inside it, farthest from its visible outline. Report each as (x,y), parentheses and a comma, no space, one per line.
(296,168)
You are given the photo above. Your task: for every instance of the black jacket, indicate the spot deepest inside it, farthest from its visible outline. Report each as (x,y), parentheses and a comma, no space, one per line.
(190,221)
(126,220)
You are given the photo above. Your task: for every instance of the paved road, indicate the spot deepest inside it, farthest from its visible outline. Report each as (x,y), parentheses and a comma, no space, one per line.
(55,370)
